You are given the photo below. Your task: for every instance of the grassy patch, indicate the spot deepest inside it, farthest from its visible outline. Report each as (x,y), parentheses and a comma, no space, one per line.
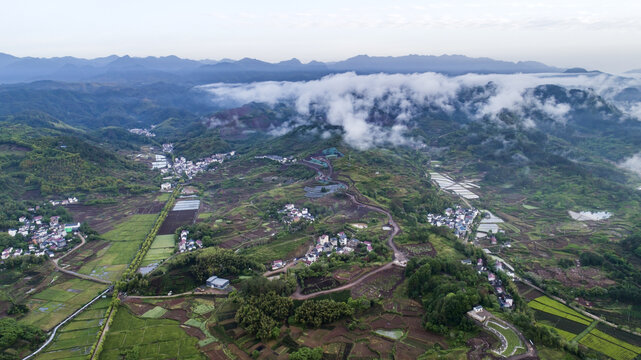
(154,313)
(276,250)
(513,341)
(392,334)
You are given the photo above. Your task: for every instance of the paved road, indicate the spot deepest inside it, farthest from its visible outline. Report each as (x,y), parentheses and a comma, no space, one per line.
(73,273)
(55,330)
(353,194)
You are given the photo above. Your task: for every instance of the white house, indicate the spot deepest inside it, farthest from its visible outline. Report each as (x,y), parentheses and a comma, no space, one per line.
(165,186)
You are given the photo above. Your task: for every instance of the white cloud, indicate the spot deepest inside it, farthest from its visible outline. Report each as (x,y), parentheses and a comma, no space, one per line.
(347,100)
(632,163)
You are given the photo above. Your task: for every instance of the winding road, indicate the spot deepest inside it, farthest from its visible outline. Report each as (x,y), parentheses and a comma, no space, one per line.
(73,273)
(399,258)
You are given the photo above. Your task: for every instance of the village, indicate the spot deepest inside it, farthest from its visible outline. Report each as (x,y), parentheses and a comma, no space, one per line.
(291,214)
(458,219)
(44,238)
(142,132)
(182,166)
(186,244)
(277,158)
(505,299)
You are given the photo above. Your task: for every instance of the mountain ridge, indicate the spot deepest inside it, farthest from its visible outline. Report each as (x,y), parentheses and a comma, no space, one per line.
(181,70)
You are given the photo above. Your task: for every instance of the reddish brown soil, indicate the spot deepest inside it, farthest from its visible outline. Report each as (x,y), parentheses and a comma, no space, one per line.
(238,352)
(195,332)
(214,351)
(480,346)
(407,352)
(178,314)
(362,351)
(575,276)
(176,219)
(380,285)
(388,322)
(418,332)
(138,308)
(75,260)
(382,346)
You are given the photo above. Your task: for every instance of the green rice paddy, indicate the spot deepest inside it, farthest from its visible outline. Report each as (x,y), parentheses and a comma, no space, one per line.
(52,305)
(154,338)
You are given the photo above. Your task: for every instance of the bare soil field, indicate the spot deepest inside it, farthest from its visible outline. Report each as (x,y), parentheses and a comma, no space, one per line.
(176,219)
(380,285)
(417,250)
(312,285)
(102,217)
(348,275)
(575,277)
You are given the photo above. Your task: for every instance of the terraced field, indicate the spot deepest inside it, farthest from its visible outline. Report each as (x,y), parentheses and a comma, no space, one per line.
(75,339)
(52,305)
(161,249)
(153,338)
(545,304)
(124,241)
(610,346)
(570,323)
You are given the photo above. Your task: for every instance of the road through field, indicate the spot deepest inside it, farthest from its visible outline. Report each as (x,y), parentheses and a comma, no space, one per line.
(399,258)
(73,273)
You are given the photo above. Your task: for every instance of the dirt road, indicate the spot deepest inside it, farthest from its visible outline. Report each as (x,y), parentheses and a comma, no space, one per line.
(399,258)
(73,273)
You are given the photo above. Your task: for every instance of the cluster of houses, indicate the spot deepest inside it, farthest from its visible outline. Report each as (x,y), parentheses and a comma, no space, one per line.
(458,219)
(277,158)
(505,299)
(142,132)
(43,238)
(168,148)
(291,214)
(190,168)
(67,201)
(338,245)
(188,244)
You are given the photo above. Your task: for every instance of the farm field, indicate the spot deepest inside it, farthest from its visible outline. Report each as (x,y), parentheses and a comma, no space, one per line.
(154,338)
(161,249)
(52,305)
(124,241)
(75,339)
(545,304)
(276,250)
(176,219)
(610,346)
(569,323)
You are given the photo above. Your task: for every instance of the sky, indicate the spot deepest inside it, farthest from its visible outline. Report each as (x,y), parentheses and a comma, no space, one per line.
(603,35)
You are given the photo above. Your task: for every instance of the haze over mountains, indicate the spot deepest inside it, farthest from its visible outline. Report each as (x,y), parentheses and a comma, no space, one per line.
(126,69)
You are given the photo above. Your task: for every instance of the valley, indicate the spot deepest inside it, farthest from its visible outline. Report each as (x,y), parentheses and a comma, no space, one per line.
(222,236)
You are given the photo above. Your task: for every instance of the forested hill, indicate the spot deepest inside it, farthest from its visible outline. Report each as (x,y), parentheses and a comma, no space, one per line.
(44,157)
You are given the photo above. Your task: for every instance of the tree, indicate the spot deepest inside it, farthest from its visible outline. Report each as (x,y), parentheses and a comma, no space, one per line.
(306,353)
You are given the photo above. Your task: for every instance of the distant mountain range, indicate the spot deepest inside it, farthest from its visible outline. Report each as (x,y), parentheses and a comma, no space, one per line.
(126,69)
